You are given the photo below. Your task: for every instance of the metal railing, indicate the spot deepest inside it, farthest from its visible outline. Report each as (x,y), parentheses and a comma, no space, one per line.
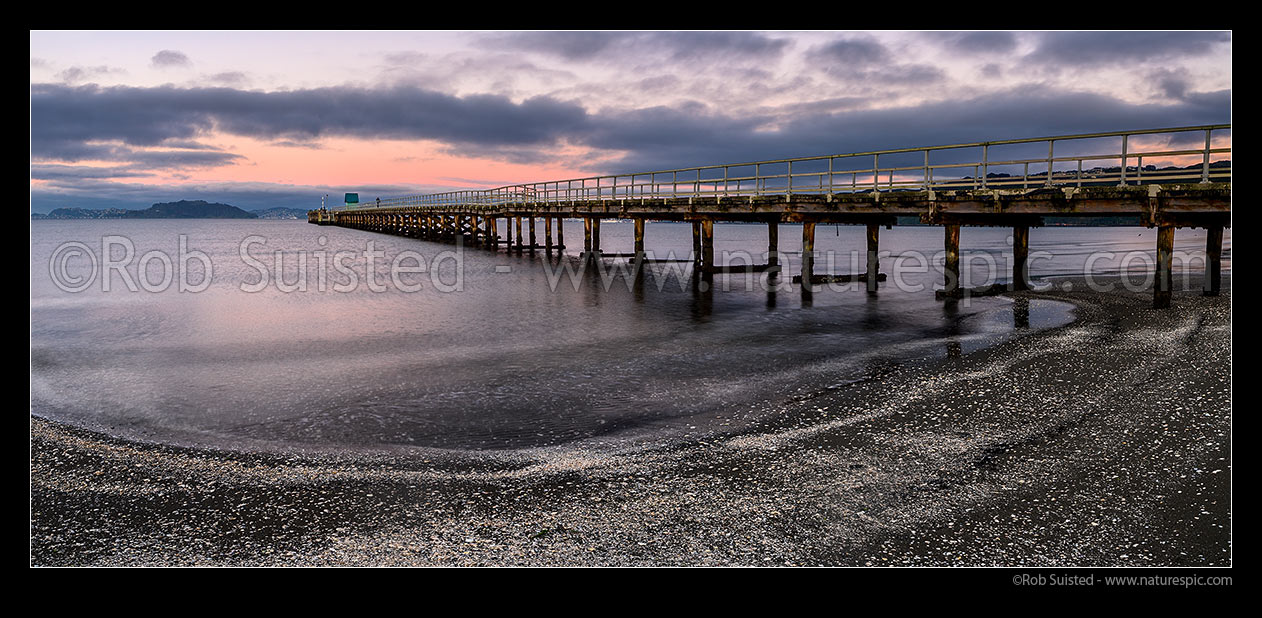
(858,172)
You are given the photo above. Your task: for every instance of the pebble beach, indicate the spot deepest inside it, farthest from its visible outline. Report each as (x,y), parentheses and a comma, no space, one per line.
(1105,442)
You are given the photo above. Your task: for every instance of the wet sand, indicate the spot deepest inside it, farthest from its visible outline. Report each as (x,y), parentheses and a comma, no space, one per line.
(1106,442)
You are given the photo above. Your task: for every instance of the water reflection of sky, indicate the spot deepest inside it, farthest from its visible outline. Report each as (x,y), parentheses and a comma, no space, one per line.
(505,361)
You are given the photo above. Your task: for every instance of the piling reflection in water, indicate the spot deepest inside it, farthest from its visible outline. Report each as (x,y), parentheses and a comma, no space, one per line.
(1021,312)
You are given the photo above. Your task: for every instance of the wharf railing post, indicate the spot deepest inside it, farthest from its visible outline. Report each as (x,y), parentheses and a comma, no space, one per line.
(985,163)
(1122,183)
(1051,143)
(1205,161)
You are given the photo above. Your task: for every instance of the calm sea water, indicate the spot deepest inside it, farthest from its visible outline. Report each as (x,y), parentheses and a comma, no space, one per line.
(486,350)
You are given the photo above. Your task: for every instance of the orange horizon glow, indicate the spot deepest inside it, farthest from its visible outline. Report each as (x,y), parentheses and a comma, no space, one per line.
(361,162)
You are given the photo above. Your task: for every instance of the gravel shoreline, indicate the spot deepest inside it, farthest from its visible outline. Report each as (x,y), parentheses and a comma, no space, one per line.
(1106,442)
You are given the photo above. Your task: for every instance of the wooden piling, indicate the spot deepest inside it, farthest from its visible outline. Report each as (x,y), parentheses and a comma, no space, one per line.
(517,224)
(951,269)
(696,242)
(560,233)
(495,231)
(1165,279)
(639,237)
(1213,261)
(547,234)
(596,235)
(874,262)
(533,242)
(808,253)
(773,249)
(587,237)
(1020,257)
(707,248)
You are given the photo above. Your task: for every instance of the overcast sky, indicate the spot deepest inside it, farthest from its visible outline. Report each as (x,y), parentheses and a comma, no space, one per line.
(263,119)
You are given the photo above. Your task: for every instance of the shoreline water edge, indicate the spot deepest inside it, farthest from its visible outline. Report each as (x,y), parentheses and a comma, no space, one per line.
(1103,442)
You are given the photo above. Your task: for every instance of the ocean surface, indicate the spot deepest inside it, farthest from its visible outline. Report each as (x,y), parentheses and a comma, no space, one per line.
(206,332)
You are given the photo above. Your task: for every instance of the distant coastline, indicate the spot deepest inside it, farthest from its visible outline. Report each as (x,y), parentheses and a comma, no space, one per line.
(183,209)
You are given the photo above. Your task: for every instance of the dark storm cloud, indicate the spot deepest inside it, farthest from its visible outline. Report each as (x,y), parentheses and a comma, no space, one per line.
(630,46)
(132,162)
(865,60)
(568,45)
(402,113)
(976,42)
(181,159)
(113,124)
(285,143)
(52,171)
(910,74)
(65,121)
(1078,48)
(855,52)
(690,45)
(663,137)
(668,138)
(170,58)
(1170,83)
(78,74)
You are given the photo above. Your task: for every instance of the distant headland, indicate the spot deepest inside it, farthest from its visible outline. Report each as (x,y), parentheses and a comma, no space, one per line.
(183,209)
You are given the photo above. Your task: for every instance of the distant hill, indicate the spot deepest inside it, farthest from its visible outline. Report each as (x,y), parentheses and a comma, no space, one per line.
(190,209)
(83,213)
(183,209)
